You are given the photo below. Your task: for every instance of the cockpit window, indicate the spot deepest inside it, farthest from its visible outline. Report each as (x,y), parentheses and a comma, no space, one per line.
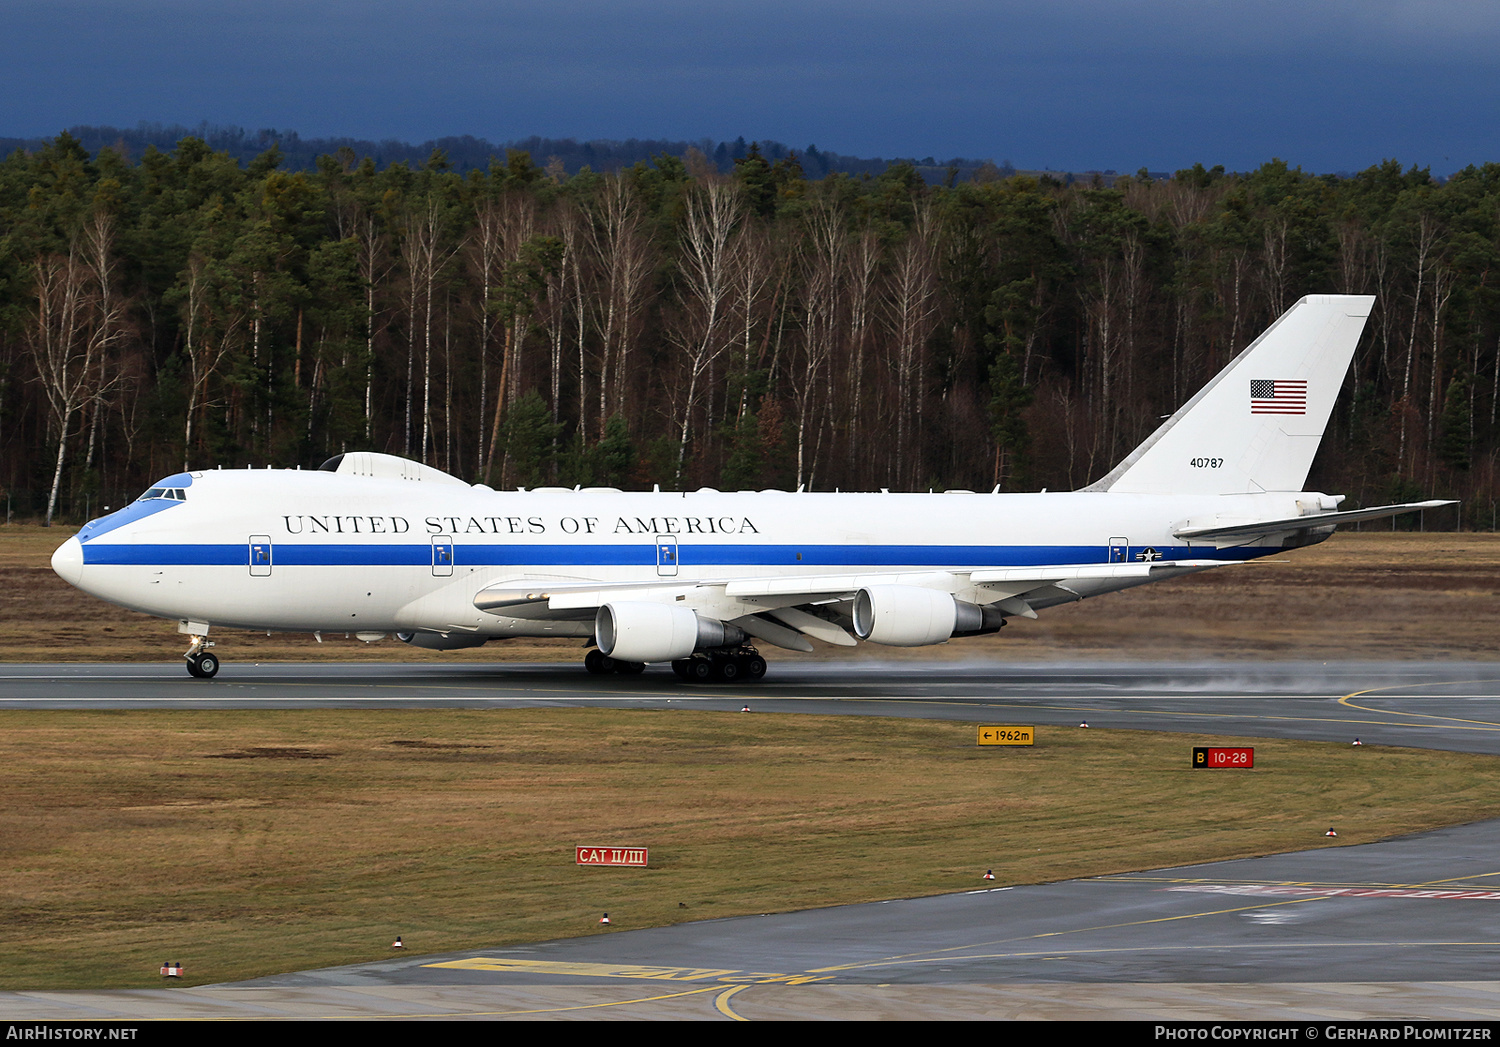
(173,493)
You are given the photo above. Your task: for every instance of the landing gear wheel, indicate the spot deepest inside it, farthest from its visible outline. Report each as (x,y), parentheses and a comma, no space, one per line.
(203,666)
(598,663)
(629,668)
(726,670)
(699,670)
(683,668)
(754,668)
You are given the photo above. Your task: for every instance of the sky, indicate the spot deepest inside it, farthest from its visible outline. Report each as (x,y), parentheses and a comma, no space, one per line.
(1326,85)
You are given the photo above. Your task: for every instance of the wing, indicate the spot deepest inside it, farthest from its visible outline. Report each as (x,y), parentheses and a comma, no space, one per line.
(788,609)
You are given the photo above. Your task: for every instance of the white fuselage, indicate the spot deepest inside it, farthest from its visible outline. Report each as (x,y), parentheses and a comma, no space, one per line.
(320,551)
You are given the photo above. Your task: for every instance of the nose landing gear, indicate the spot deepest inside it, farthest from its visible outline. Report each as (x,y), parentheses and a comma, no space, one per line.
(200,664)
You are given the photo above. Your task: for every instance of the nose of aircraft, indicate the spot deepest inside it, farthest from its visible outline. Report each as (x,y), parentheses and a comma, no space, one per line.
(68,561)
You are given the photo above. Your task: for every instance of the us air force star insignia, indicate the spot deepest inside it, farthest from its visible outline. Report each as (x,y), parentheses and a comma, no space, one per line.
(1148,554)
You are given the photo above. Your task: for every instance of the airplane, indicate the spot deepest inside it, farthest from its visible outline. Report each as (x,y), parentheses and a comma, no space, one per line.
(372,544)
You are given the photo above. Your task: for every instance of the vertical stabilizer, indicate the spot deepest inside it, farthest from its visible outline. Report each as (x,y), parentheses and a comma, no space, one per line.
(1257,425)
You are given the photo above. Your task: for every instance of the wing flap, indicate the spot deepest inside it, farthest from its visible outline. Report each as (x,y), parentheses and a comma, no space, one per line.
(812,625)
(774,632)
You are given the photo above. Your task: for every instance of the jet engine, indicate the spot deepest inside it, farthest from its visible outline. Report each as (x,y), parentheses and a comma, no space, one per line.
(911,616)
(632,631)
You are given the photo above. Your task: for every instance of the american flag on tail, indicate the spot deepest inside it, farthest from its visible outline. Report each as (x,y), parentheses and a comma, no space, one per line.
(1277,396)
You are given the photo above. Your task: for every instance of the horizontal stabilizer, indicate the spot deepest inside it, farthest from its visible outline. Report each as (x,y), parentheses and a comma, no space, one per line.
(1023,579)
(1303,523)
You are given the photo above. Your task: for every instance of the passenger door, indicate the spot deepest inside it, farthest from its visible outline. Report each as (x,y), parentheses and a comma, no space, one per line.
(260,556)
(442,556)
(666,555)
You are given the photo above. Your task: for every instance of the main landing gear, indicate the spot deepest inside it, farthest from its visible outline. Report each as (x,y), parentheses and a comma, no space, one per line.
(724,665)
(600,664)
(201,665)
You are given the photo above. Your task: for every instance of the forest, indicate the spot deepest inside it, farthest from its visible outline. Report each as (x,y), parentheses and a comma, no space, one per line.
(673,323)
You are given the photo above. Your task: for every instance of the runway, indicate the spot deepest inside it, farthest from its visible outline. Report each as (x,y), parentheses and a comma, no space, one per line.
(1404,928)
(1438,705)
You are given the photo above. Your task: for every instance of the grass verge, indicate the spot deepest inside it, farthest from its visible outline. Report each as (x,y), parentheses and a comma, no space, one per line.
(249,843)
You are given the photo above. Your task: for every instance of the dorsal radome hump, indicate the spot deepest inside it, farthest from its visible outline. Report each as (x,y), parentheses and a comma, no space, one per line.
(379,466)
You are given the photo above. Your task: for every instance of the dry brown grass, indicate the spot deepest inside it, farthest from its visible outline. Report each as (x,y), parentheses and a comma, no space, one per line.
(246,843)
(1370,595)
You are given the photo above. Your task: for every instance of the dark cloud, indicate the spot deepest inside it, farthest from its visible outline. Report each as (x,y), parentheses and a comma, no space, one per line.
(1160,83)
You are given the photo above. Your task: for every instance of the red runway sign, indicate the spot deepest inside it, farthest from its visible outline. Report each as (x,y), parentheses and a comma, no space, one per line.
(628,856)
(1223,756)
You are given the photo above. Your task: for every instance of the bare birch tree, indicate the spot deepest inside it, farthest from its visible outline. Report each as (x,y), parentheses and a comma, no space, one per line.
(424,255)
(911,307)
(823,261)
(1424,246)
(212,332)
(711,211)
(625,259)
(79,316)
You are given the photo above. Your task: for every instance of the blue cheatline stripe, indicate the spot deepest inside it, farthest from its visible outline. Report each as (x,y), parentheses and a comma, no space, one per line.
(288,554)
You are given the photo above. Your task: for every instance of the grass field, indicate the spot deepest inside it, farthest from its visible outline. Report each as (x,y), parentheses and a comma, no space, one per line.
(248,843)
(1375,595)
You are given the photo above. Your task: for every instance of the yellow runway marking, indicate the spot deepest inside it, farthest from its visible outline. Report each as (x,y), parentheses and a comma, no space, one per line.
(653,972)
(722,1003)
(1480,725)
(1294,883)
(428,1014)
(1052,952)
(945,954)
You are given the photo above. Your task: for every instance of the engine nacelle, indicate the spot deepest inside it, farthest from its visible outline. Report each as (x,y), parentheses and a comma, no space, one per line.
(633,631)
(911,616)
(439,642)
